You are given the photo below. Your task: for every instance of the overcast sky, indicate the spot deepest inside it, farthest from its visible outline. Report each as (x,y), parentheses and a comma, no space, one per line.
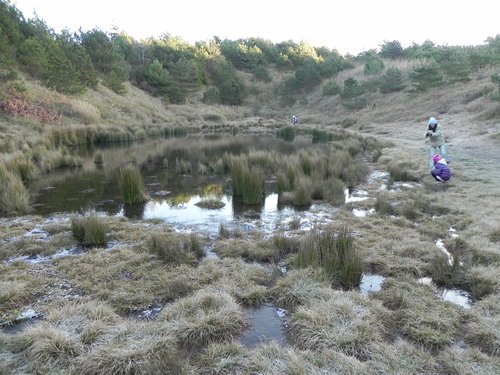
(349,26)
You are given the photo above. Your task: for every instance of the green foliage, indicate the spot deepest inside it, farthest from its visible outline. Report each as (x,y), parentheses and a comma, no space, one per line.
(391,81)
(223,76)
(391,50)
(351,89)
(10,33)
(331,88)
(307,77)
(211,96)
(495,95)
(333,64)
(373,66)
(426,77)
(262,74)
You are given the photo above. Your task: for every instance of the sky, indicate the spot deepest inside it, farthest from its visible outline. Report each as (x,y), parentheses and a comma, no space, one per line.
(349,26)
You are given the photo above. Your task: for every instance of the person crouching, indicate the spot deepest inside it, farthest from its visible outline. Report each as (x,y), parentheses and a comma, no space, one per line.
(440,170)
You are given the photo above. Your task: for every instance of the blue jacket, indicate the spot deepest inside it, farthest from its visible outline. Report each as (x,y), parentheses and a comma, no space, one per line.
(440,171)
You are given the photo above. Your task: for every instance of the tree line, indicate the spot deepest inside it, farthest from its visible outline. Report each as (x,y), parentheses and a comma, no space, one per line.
(169,67)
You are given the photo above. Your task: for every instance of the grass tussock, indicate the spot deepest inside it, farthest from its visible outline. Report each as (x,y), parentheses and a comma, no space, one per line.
(248,283)
(262,251)
(483,327)
(205,317)
(335,253)
(275,359)
(14,197)
(301,287)
(89,230)
(46,348)
(132,185)
(175,249)
(467,361)
(401,357)
(127,279)
(419,314)
(346,322)
(137,348)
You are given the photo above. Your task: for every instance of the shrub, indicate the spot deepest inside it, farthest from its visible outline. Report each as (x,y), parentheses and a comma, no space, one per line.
(373,66)
(132,185)
(331,88)
(261,73)
(391,81)
(89,230)
(426,77)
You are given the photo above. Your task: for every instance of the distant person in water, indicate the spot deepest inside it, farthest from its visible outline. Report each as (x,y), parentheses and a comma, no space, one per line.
(436,138)
(440,170)
(294,120)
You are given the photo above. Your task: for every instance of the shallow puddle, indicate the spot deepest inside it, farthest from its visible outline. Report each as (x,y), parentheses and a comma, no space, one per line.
(371,283)
(267,323)
(457,296)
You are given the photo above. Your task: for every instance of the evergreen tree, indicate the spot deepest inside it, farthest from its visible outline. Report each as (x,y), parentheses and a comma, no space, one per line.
(391,81)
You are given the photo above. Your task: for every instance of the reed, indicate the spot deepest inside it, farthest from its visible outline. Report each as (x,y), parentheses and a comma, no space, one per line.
(132,185)
(252,188)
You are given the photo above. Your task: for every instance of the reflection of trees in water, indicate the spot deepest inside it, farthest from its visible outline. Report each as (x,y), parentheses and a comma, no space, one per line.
(134,211)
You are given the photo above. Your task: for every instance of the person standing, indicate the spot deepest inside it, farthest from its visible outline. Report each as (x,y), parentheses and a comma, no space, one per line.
(436,138)
(294,120)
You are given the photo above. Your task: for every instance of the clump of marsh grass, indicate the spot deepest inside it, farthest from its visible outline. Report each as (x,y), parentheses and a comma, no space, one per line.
(247,282)
(419,314)
(174,249)
(334,253)
(401,357)
(334,191)
(14,197)
(303,187)
(45,347)
(495,235)
(482,280)
(262,251)
(346,322)
(132,185)
(483,326)
(466,361)
(383,206)
(402,171)
(89,230)
(300,287)
(206,317)
(225,232)
(137,348)
(275,359)
(252,186)
(222,358)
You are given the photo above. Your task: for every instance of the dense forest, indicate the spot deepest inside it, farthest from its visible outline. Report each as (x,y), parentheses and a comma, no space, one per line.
(169,67)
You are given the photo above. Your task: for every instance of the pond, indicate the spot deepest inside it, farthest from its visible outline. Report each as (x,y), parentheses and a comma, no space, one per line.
(176,173)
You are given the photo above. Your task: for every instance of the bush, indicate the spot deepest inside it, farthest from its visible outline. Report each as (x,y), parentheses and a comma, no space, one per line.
(373,66)
(426,77)
(211,96)
(331,88)
(391,81)
(132,185)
